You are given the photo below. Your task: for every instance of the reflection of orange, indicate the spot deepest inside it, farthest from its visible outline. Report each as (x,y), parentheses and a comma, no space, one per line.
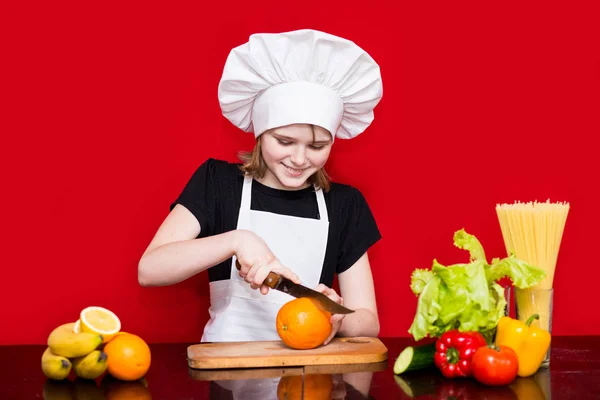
(301,325)
(119,390)
(129,391)
(316,387)
(128,357)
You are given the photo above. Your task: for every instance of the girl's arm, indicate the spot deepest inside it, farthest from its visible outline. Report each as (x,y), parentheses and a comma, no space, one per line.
(358,293)
(175,253)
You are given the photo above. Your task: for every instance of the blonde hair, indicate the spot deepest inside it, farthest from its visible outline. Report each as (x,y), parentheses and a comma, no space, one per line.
(255,166)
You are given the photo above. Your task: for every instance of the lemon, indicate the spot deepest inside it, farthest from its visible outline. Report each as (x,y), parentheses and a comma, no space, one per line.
(99,320)
(77,327)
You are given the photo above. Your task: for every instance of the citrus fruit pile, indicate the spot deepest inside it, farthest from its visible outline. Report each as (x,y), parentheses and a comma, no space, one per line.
(94,345)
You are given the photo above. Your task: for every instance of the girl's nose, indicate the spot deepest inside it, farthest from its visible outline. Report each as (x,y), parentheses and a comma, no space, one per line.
(298,156)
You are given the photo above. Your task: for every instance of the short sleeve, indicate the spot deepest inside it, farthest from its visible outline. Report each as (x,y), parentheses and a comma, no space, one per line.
(359,231)
(198,196)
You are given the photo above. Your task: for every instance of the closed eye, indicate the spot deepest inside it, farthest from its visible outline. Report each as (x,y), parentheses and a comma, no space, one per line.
(283,143)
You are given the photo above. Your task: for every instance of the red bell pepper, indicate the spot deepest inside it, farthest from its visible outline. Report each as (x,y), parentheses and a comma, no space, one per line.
(454,351)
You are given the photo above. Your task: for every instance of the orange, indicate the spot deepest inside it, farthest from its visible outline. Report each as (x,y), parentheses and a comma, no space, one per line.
(302,325)
(128,357)
(316,387)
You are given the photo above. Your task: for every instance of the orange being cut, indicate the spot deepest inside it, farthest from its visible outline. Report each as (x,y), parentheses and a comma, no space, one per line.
(129,357)
(99,320)
(302,325)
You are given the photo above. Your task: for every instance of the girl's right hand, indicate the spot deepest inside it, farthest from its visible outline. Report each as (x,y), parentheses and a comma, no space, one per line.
(257,260)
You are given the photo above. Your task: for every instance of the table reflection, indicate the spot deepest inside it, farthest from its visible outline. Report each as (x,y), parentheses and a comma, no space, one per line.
(319,382)
(295,387)
(109,388)
(574,374)
(432,385)
(355,382)
(315,384)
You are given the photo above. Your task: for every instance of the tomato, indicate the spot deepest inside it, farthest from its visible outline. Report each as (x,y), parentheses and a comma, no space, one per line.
(495,366)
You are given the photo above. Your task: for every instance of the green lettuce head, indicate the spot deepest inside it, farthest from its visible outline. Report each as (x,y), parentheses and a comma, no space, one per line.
(466,296)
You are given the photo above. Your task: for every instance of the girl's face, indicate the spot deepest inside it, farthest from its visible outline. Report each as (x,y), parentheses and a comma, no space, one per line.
(292,154)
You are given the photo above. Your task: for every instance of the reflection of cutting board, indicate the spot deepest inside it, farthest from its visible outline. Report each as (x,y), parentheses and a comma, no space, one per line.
(276,372)
(355,350)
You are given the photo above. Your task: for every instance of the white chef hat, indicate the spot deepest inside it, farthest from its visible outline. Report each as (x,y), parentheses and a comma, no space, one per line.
(303,76)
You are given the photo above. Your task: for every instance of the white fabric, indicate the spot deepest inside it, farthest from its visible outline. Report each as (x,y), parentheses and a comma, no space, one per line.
(251,389)
(240,313)
(303,76)
(297,102)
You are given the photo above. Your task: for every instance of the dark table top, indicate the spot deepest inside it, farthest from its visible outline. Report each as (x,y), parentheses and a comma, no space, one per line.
(574,373)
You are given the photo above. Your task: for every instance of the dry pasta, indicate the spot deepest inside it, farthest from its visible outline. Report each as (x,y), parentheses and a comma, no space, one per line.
(533,232)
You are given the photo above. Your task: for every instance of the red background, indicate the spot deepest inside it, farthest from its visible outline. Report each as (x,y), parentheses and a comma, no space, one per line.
(108,108)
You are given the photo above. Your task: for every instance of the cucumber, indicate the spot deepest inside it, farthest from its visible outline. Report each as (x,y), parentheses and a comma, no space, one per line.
(414,358)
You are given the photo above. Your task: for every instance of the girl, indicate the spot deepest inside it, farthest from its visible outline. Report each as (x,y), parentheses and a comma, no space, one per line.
(278,211)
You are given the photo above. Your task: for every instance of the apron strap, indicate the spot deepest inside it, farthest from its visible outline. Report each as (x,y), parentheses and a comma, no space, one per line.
(322,206)
(246,192)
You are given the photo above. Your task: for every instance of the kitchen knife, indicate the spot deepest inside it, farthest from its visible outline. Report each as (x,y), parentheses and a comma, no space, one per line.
(278,282)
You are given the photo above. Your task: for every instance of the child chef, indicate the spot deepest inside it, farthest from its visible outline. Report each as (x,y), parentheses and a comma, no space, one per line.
(277,210)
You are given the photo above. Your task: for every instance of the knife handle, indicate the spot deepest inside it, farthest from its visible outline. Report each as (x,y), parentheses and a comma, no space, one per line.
(272,279)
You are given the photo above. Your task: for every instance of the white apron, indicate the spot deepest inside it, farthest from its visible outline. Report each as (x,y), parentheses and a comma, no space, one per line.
(240,313)
(251,389)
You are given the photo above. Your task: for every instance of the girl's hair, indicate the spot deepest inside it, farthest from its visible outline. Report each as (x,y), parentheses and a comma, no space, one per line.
(255,166)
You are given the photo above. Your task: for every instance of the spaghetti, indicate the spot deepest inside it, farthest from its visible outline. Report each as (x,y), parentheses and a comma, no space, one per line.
(533,233)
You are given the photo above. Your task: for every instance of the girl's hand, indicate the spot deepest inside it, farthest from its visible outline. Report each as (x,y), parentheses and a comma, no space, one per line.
(336,319)
(257,260)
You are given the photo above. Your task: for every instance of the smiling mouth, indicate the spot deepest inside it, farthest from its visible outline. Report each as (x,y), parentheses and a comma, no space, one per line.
(294,170)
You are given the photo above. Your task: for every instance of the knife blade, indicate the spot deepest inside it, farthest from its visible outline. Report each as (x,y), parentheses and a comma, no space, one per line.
(279,282)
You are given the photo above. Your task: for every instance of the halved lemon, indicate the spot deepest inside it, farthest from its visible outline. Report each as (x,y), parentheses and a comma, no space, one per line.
(99,320)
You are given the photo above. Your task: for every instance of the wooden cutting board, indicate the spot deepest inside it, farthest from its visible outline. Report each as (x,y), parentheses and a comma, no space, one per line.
(352,350)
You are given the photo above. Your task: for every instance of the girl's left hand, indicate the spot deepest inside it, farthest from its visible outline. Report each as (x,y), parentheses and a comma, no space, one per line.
(336,319)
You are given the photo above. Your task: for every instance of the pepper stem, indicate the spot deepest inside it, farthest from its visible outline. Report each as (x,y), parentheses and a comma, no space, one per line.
(530,320)
(452,355)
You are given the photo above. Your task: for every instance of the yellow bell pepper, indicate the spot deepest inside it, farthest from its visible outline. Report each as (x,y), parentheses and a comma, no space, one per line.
(530,343)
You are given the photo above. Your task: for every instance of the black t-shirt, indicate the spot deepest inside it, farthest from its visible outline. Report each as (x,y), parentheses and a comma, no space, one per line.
(214,192)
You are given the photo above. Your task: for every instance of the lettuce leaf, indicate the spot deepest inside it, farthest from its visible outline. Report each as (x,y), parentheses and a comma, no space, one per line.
(522,274)
(466,296)
(428,310)
(465,241)
(419,279)
(466,280)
